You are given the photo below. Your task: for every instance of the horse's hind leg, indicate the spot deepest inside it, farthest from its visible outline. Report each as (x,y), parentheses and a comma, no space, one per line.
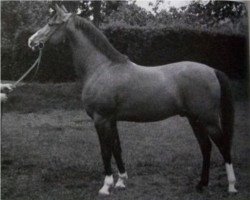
(223,142)
(205,146)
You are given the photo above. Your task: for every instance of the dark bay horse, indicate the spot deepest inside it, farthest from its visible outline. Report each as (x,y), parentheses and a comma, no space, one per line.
(116,89)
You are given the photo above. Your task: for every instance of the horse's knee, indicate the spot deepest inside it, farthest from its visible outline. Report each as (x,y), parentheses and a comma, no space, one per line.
(206,146)
(99,122)
(213,131)
(216,134)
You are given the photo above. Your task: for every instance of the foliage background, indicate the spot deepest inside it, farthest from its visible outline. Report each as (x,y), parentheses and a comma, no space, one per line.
(51,151)
(214,33)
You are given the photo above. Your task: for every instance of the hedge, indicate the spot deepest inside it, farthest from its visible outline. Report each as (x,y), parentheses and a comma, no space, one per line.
(145,46)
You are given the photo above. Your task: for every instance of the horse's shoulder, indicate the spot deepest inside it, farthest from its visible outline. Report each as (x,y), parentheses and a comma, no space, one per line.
(99,90)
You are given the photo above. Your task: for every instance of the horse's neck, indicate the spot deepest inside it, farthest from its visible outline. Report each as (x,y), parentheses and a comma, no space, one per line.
(87,58)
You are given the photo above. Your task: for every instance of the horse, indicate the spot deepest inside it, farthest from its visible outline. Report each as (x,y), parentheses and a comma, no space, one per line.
(116,89)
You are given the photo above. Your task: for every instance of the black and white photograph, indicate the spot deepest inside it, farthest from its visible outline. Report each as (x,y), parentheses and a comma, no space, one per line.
(121,100)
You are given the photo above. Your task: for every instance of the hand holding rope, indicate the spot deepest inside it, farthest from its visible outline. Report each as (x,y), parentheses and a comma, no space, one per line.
(3,96)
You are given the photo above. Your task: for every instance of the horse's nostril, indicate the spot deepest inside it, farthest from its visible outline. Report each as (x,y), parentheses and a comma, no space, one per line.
(41,45)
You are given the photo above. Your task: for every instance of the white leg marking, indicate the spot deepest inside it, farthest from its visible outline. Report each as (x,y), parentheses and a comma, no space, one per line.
(108,182)
(231,178)
(121,180)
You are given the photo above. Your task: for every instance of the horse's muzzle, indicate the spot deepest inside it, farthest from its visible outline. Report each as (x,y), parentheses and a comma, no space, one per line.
(35,45)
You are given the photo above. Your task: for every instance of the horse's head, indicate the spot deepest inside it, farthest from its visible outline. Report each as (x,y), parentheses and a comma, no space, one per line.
(54,30)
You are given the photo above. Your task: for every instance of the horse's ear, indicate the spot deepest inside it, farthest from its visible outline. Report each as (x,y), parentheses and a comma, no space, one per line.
(64,9)
(59,11)
(62,14)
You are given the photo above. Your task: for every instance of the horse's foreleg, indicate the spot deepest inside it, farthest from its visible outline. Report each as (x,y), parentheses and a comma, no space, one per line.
(205,146)
(105,137)
(117,152)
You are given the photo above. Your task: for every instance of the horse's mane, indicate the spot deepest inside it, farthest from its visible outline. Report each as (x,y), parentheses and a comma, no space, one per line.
(98,39)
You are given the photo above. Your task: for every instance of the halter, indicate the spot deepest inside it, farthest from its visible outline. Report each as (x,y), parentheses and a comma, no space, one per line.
(36,64)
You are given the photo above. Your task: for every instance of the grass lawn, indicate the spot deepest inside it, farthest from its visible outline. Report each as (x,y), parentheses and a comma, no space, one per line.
(50,150)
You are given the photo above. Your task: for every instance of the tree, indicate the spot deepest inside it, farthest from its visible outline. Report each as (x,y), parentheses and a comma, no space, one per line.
(102,9)
(215,11)
(213,15)
(131,15)
(98,10)
(18,16)
(155,5)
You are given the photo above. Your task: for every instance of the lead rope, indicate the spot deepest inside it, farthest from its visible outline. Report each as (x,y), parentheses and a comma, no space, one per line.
(36,64)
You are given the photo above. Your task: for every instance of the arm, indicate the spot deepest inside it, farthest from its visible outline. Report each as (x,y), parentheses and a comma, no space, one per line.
(3,97)
(5,88)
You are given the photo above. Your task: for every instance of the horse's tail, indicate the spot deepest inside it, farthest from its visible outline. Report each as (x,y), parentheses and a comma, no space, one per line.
(226,106)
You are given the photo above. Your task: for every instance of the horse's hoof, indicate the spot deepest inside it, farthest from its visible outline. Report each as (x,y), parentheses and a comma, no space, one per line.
(120,185)
(103,192)
(232,191)
(199,188)
(231,188)
(108,183)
